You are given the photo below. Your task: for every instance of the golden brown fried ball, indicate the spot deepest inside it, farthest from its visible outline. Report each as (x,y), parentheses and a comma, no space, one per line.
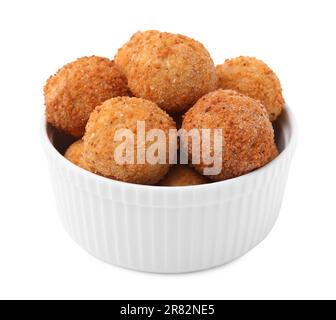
(77,88)
(247,133)
(100,144)
(75,154)
(182,175)
(171,70)
(255,79)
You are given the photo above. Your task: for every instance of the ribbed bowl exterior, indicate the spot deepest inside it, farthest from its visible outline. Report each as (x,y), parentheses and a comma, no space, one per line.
(170,229)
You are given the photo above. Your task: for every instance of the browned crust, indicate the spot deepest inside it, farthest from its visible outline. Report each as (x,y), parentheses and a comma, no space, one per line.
(171,70)
(247,133)
(182,175)
(123,113)
(77,88)
(254,78)
(75,154)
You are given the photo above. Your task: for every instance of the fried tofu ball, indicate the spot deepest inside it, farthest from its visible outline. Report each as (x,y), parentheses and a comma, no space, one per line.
(101,142)
(75,154)
(172,70)
(182,175)
(247,133)
(255,79)
(77,88)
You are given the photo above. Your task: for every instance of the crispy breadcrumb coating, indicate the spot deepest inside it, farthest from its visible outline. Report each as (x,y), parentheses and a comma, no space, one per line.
(100,145)
(182,175)
(247,133)
(77,88)
(125,54)
(171,70)
(75,154)
(255,79)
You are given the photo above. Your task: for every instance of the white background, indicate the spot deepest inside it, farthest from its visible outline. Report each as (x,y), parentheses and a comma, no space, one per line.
(296,38)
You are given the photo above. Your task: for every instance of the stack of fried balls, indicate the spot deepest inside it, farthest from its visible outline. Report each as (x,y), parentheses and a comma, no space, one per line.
(168,81)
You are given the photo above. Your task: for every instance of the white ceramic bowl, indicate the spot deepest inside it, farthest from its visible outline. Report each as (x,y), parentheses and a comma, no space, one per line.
(169,229)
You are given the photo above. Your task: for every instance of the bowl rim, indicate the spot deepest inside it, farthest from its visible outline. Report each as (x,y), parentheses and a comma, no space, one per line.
(50,149)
